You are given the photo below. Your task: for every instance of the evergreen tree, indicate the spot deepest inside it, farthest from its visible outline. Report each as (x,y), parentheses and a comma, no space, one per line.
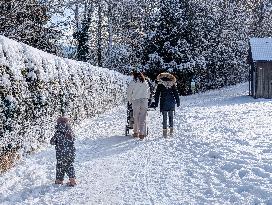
(167,46)
(260,13)
(25,21)
(82,37)
(226,44)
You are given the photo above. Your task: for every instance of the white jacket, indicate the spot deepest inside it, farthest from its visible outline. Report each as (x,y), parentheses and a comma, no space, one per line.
(137,90)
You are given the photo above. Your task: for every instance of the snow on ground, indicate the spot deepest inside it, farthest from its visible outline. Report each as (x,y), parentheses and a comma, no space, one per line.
(220,154)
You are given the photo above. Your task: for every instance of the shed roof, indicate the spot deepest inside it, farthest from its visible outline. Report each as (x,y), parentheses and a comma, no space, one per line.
(261,49)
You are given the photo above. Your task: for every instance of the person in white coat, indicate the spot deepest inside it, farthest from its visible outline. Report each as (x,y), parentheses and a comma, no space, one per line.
(138,93)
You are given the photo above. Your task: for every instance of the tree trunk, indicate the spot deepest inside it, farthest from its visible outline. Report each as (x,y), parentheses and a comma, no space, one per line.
(99,36)
(110,34)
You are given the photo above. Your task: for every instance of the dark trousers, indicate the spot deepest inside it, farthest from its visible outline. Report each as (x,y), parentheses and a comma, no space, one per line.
(65,167)
(170,115)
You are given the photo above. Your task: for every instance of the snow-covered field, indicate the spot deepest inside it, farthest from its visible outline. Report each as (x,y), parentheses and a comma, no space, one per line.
(220,154)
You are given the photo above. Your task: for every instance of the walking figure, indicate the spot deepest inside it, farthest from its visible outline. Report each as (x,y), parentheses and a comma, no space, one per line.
(138,93)
(167,94)
(63,140)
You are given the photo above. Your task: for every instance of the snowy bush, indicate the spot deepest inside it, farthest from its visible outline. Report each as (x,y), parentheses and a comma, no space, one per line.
(37,87)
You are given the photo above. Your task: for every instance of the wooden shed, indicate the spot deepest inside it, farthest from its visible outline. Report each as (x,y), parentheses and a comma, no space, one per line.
(260,55)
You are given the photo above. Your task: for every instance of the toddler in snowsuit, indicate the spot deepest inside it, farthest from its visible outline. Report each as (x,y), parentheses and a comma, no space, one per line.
(63,140)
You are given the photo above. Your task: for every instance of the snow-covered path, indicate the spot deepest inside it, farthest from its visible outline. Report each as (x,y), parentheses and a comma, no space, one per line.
(220,154)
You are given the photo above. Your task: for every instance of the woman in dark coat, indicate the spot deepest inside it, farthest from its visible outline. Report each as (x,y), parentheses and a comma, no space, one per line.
(168,96)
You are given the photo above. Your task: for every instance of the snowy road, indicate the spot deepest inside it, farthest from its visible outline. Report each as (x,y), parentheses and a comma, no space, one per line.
(220,154)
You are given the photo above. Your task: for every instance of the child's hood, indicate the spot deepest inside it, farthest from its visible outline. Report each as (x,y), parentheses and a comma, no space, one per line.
(63,124)
(62,120)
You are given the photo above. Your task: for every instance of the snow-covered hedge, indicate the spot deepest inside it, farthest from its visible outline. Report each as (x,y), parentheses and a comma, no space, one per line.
(37,87)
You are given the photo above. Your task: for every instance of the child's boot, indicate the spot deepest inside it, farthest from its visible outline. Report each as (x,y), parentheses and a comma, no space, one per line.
(135,135)
(141,137)
(72,182)
(59,181)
